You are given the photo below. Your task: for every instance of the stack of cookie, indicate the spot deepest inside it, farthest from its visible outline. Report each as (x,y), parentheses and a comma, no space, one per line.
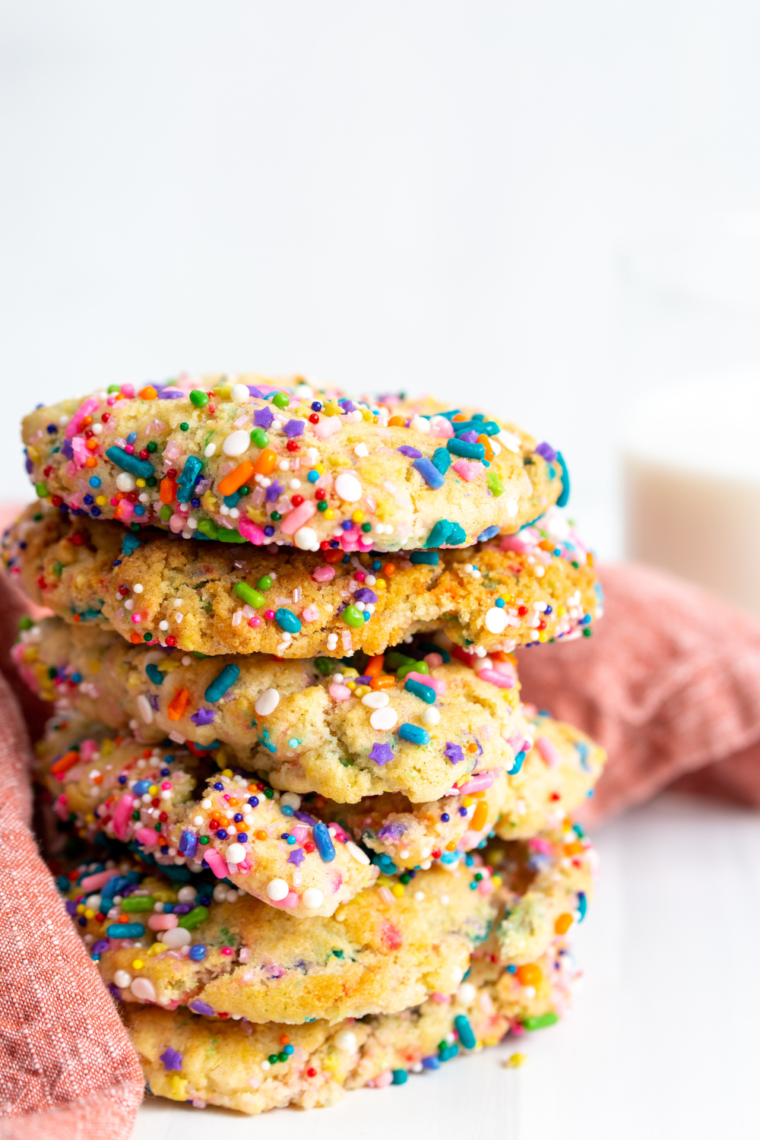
(330,845)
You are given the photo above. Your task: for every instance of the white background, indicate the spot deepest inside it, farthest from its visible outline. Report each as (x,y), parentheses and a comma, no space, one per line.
(402,194)
(393,194)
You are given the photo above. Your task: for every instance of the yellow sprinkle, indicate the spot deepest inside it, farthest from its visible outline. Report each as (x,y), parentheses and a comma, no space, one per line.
(467,801)
(157,948)
(227,772)
(101,500)
(320,468)
(366,414)
(139,482)
(329,513)
(516,1061)
(137,964)
(153,789)
(358,516)
(379,585)
(361,690)
(398,890)
(89,913)
(350,684)
(80,908)
(496,880)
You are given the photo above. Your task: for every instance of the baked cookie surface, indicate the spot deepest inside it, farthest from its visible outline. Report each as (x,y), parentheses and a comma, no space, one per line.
(312,725)
(246,462)
(214,598)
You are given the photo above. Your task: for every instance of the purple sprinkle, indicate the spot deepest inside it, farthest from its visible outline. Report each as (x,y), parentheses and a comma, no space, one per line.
(203,717)
(255,392)
(100,946)
(273,491)
(114,991)
(68,449)
(391,831)
(171,1059)
(453,752)
(168,394)
(153,701)
(410,452)
(200,1006)
(547,452)
(381,753)
(188,844)
(71,908)
(263,418)
(304,817)
(293,428)
(183,908)
(468,437)
(365,595)
(30,466)
(429,472)
(348,405)
(296,857)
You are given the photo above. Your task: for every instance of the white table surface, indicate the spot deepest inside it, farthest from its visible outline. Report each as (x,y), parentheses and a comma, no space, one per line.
(663,1040)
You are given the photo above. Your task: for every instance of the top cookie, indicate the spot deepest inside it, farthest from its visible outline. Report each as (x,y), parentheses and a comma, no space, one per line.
(253,463)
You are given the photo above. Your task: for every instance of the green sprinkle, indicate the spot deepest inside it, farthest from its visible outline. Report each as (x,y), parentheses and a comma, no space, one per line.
(366,527)
(152,446)
(151,481)
(352,616)
(194,918)
(273,1058)
(322,506)
(25,623)
(259,437)
(112,388)
(543,1021)
(42,490)
(205,526)
(184,427)
(140,903)
(264,583)
(57,569)
(412,667)
(204,840)
(281,400)
(275,516)
(268,793)
(494,484)
(166,513)
(249,595)
(200,399)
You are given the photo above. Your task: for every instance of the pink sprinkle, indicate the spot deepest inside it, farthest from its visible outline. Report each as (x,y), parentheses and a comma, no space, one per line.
(215,861)
(365,543)
(146,836)
(441,428)
(301,832)
(127,390)
(386,895)
(121,815)
(88,749)
(360,576)
(548,751)
(478,783)
(311,613)
(469,469)
(162,921)
(323,573)
(434,683)
(166,786)
(433,660)
(290,901)
(226,950)
(137,618)
(298,517)
(326,427)
(382,1080)
(74,424)
(339,692)
(543,846)
(176,523)
(255,622)
(501,680)
(94,882)
(514,542)
(269,615)
(441,999)
(485,887)
(251,531)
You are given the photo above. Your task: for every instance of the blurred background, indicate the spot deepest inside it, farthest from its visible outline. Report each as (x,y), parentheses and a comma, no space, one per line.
(551,206)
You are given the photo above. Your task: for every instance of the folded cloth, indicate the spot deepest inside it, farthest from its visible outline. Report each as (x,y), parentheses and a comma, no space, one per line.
(669,684)
(64,1055)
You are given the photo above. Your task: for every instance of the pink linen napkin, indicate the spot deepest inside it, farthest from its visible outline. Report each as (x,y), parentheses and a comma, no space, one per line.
(67,1068)
(669,683)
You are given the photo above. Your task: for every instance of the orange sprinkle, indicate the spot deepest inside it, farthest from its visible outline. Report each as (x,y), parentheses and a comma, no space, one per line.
(574,848)
(91,444)
(90,462)
(147,754)
(62,765)
(235,479)
(562,923)
(148,393)
(135,638)
(178,704)
(458,418)
(590,559)
(265,464)
(260,834)
(486,447)
(478,821)
(284,1040)
(86,421)
(389,569)
(451,846)
(529,974)
(472,747)
(396,421)
(168,490)
(382,681)
(374,666)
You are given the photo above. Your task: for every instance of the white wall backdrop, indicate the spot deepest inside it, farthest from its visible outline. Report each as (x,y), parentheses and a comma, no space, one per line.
(425,195)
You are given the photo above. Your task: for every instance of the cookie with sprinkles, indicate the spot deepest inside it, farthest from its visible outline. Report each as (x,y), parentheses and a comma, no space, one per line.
(387,949)
(534,586)
(248,463)
(178,811)
(255,1068)
(420,727)
(553,779)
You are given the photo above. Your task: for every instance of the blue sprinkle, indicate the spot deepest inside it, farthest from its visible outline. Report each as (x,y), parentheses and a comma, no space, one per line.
(287,620)
(425,692)
(466,450)
(76,678)
(94,482)
(129,543)
(131,463)
(423,558)
(126,930)
(429,473)
(519,760)
(154,674)
(141,787)
(186,481)
(197,953)
(431,1062)
(439,534)
(414,734)
(582,749)
(562,500)
(221,683)
(464,1030)
(323,840)
(400,1076)
(132,437)
(188,844)
(500,603)
(441,460)
(582,906)
(313,476)
(456,535)
(489,532)
(139,509)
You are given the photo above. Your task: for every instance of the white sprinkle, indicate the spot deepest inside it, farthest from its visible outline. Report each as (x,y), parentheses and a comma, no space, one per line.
(125,481)
(420,424)
(357,853)
(348,487)
(206,803)
(496,620)
(431,717)
(346,1041)
(138,588)
(295,484)
(383,719)
(376,700)
(122,979)
(277,890)
(235,853)
(291,799)
(176,938)
(306,538)
(164,625)
(361,451)
(144,709)
(267,702)
(239,393)
(312,898)
(419,896)
(209,450)
(236,443)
